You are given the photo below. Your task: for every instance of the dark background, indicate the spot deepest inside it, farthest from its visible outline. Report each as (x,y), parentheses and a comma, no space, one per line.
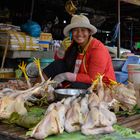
(102,14)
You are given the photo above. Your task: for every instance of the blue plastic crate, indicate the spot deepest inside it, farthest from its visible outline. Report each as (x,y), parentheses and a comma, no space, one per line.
(130,60)
(43,61)
(121,77)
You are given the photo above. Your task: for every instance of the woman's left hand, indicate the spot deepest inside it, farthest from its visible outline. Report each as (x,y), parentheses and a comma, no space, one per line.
(68,76)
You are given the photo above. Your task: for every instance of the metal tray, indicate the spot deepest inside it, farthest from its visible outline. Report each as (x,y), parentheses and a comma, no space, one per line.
(63,93)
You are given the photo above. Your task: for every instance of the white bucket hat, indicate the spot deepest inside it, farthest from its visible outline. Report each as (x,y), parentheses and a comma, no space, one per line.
(79,21)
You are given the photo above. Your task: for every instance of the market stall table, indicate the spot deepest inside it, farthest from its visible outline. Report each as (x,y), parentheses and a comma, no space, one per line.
(11,132)
(29,54)
(132,122)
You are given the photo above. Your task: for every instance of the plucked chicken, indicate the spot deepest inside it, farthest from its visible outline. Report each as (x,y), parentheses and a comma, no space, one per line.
(49,125)
(73,118)
(52,123)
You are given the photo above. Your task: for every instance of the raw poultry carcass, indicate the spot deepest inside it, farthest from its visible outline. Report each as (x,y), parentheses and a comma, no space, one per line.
(52,123)
(100,119)
(12,103)
(100,88)
(93,100)
(107,94)
(68,101)
(61,110)
(91,121)
(84,108)
(6,107)
(107,118)
(98,130)
(73,117)
(14,84)
(98,122)
(49,125)
(124,95)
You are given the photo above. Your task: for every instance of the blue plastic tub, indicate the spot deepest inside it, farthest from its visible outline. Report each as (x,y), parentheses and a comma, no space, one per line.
(43,62)
(121,77)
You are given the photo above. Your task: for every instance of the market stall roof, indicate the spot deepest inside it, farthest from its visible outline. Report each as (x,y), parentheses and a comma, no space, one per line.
(48,9)
(102,13)
(136,2)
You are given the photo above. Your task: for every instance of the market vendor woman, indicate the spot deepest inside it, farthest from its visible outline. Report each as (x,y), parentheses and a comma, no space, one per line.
(84,59)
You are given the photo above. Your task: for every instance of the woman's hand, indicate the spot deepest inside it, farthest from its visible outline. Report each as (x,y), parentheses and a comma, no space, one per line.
(68,76)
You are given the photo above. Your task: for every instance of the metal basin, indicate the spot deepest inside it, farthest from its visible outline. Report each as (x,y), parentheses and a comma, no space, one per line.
(64,93)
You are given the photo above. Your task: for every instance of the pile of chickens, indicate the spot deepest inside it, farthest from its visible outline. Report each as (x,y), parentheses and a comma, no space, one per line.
(12,100)
(90,114)
(14,84)
(120,95)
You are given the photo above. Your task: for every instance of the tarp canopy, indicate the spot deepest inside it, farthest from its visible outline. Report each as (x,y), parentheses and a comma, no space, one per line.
(136,2)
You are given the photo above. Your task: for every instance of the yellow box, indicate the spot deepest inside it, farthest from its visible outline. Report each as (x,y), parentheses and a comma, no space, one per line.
(45,39)
(45,36)
(6,73)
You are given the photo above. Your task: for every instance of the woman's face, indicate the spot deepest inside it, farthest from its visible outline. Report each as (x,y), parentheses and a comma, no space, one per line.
(80,35)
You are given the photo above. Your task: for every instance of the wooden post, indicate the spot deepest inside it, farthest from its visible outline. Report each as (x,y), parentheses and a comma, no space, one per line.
(5,52)
(32,10)
(119,34)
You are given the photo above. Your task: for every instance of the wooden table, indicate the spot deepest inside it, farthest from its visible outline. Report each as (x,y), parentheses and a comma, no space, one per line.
(130,122)
(9,132)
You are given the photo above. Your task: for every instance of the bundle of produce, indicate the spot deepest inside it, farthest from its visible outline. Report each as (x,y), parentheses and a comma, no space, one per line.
(29,120)
(18,40)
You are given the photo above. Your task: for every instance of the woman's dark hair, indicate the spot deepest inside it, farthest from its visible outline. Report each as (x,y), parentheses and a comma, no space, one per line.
(70,56)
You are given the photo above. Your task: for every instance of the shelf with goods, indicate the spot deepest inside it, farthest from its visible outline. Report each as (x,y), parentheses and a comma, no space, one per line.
(14,58)
(16,47)
(14,54)
(20,45)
